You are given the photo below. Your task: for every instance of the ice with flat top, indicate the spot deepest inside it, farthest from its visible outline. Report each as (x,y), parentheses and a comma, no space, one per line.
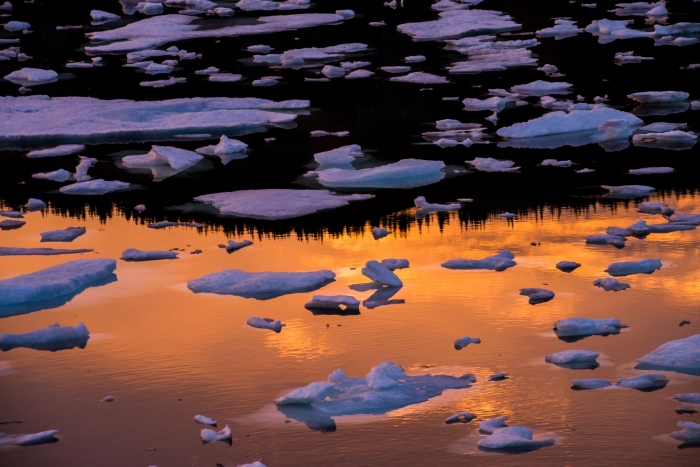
(265,323)
(392,263)
(62,150)
(541,88)
(561,122)
(63,235)
(209,436)
(626,268)
(459,23)
(132,254)
(572,327)
(55,281)
(688,397)
(82,119)
(277,203)
(562,29)
(406,173)
(94,187)
(659,97)
(53,338)
(233,245)
(334,302)
(687,219)
(682,355)
(14,26)
(513,438)
(689,433)
(204,420)
(609,284)
(341,157)
(59,175)
(386,387)
(227,149)
(572,356)
(10,224)
(32,77)
(260,285)
(163,161)
(28,439)
(461,417)
(650,207)
(499,262)
(651,171)
(462,342)
(617,241)
(380,274)
(12,214)
(492,424)
(537,295)
(489,164)
(7,251)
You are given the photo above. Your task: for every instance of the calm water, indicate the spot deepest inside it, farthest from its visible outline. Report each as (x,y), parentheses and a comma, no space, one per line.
(167,354)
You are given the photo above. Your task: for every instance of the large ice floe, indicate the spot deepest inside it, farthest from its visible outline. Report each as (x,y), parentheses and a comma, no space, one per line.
(574,359)
(499,262)
(609,284)
(6,251)
(82,119)
(626,268)
(489,164)
(53,338)
(406,173)
(260,285)
(509,438)
(164,161)
(486,54)
(458,23)
(277,203)
(627,191)
(62,150)
(159,30)
(56,281)
(28,439)
(682,356)
(381,274)
(386,387)
(572,328)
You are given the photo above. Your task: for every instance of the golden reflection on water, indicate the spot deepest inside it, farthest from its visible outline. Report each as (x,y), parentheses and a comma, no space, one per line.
(155,342)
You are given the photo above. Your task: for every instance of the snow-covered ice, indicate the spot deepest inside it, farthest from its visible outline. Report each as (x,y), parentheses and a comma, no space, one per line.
(541,88)
(265,323)
(277,203)
(689,433)
(488,164)
(499,262)
(561,122)
(420,77)
(626,268)
(53,338)
(628,191)
(659,97)
(62,235)
(7,251)
(537,295)
(32,77)
(461,417)
(132,254)
(462,342)
(233,245)
(682,355)
(204,420)
(458,23)
(260,285)
(164,161)
(645,381)
(516,438)
(688,398)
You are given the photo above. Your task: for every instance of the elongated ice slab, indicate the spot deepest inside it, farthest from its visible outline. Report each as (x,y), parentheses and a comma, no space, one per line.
(462,342)
(567,266)
(163,161)
(420,77)
(132,254)
(93,187)
(499,262)
(379,273)
(62,150)
(406,173)
(561,122)
(27,440)
(425,206)
(334,302)
(265,323)
(62,235)
(590,383)
(277,203)
(626,268)
(609,284)
(587,327)
(645,381)
(458,23)
(513,438)
(204,420)
(32,76)
(5,251)
(572,356)
(53,338)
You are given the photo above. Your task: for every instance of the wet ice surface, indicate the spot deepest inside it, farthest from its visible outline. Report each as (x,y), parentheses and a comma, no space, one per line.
(166,353)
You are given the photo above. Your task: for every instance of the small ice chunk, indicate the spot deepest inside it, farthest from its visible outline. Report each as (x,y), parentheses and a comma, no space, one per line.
(617,128)
(212,70)
(348,66)
(660,127)
(62,235)
(208,435)
(81,171)
(556,163)
(99,16)
(645,381)
(225,77)
(688,398)
(423,205)
(34,204)
(7,6)
(132,254)
(567,266)
(259,49)
(59,175)
(537,295)
(27,440)
(628,191)
(572,327)
(62,150)
(651,171)
(541,88)
(414,59)
(32,77)
(378,273)
(507,215)
(159,156)
(650,207)
(330,71)
(606,239)
(585,171)
(492,424)
(334,302)
(689,433)
(682,355)
(235,246)
(494,103)
(590,383)
(513,438)
(659,97)
(108,399)
(358,74)
(265,323)
(488,164)
(421,78)
(572,356)
(406,173)
(499,262)
(229,146)
(461,417)
(204,420)
(266,81)
(498,376)
(53,338)
(609,284)
(462,342)
(341,157)
(93,187)
(14,26)
(626,268)
(392,264)
(11,224)
(314,392)
(11,214)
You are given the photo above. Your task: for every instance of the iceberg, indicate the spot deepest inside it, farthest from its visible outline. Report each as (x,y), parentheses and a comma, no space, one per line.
(204,420)
(499,262)
(561,122)
(575,327)
(689,433)
(93,187)
(84,119)
(62,150)
(132,254)
(609,284)
(380,274)
(209,436)
(682,355)
(567,266)
(488,164)
(29,439)
(277,203)
(32,77)
(163,161)
(406,173)
(462,342)
(260,285)
(340,303)
(5,251)
(537,295)
(459,23)
(626,268)
(55,281)
(53,338)
(265,323)
(513,438)
(574,359)
(63,235)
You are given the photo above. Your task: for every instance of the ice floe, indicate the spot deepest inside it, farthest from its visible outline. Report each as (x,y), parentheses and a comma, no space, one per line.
(617,241)
(567,266)
(341,157)
(651,171)
(53,338)
(12,214)
(277,203)
(556,163)
(425,206)
(488,164)
(260,285)
(55,281)
(513,438)
(59,175)
(6,251)
(62,235)
(10,224)
(457,23)
(574,359)
(28,439)
(590,384)
(573,327)
(93,187)
(562,29)
(14,26)
(689,433)
(379,232)
(461,417)
(537,295)
(420,77)
(643,382)
(650,207)
(406,173)
(499,262)
(609,284)
(380,274)
(232,245)
(164,161)
(462,342)
(392,264)
(562,122)
(541,88)
(659,97)
(165,224)
(132,254)
(209,436)
(626,268)
(204,420)
(265,323)
(498,377)
(331,303)
(682,355)
(32,77)
(396,69)
(62,150)
(628,191)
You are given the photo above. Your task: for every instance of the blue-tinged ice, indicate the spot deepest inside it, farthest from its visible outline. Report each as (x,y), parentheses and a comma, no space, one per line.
(499,262)
(53,338)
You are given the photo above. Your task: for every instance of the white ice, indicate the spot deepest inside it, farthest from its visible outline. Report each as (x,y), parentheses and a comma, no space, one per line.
(679,355)
(626,268)
(392,264)
(132,254)
(55,281)
(32,77)
(334,302)
(562,29)
(499,262)
(277,203)
(46,338)
(462,342)
(689,433)
(265,323)
(260,285)
(396,69)
(617,128)
(537,295)
(540,88)
(204,420)
(62,150)
(651,171)
(359,74)
(488,164)
(660,127)
(666,136)
(609,284)
(81,171)
(93,187)
(556,163)
(406,173)
(235,246)
(62,235)
(341,157)
(380,274)
(688,398)
(99,16)
(209,436)
(164,161)
(586,326)
(458,23)
(425,206)
(513,438)
(567,266)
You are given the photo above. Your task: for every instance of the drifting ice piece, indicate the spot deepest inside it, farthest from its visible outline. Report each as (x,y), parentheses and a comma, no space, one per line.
(93,187)
(235,246)
(541,88)
(420,77)
(459,23)
(163,156)
(333,302)
(62,150)
(689,434)
(649,207)
(561,122)
(499,262)
(55,281)
(132,254)
(567,266)
(4,251)
(606,239)
(204,420)
(277,203)
(210,435)
(66,235)
(587,327)
(462,342)
(423,205)
(609,284)
(682,355)
(32,77)
(265,323)
(406,173)
(537,295)
(260,285)
(53,338)
(379,232)
(688,398)
(513,438)
(572,356)
(659,97)
(27,440)
(378,273)
(488,164)
(645,381)
(628,191)
(392,263)
(590,383)
(59,175)
(461,417)
(626,268)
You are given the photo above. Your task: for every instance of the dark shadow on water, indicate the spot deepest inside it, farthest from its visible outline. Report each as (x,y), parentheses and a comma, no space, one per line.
(517,450)
(688,445)
(578,365)
(382,298)
(332,311)
(572,339)
(24,308)
(309,417)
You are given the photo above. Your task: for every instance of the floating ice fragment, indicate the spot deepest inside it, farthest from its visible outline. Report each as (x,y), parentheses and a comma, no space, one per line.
(62,235)
(674,136)
(379,273)
(235,246)
(7,6)
(459,23)
(32,77)
(682,355)
(499,262)
(204,420)
(4,251)
(572,357)
(626,268)
(82,169)
(225,77)
(379,232)
(689,433)
(314,392)
(609,284)
(461,417)
(628,191)
(562,29)
(649,207)
(651,170)
(12,214)
(492,424)
(561,122)
(617,128)
(488,164)
(265,323)
(55,281)
(606,239)
(423,205)
(567,266)
(108,399)
(688,398)
(334,302)
(420,77)
(540,88)
(585,171)
(359,74)
(495,104)
(62,150)
(341,157)
(100,17)
(210,435)
(277,203)
(396,69)
(498,376)
(164,161)
(132,254)
(573,327)
(13,26)
(259,49)
(462,342)
(556,163)
(590,383)
(660,127)
(93,187)
(414,59)
(392,264)
(164,224)
(537,295)
(659,97)
(645,381)
(406,173)
(53,338)
(27,440)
